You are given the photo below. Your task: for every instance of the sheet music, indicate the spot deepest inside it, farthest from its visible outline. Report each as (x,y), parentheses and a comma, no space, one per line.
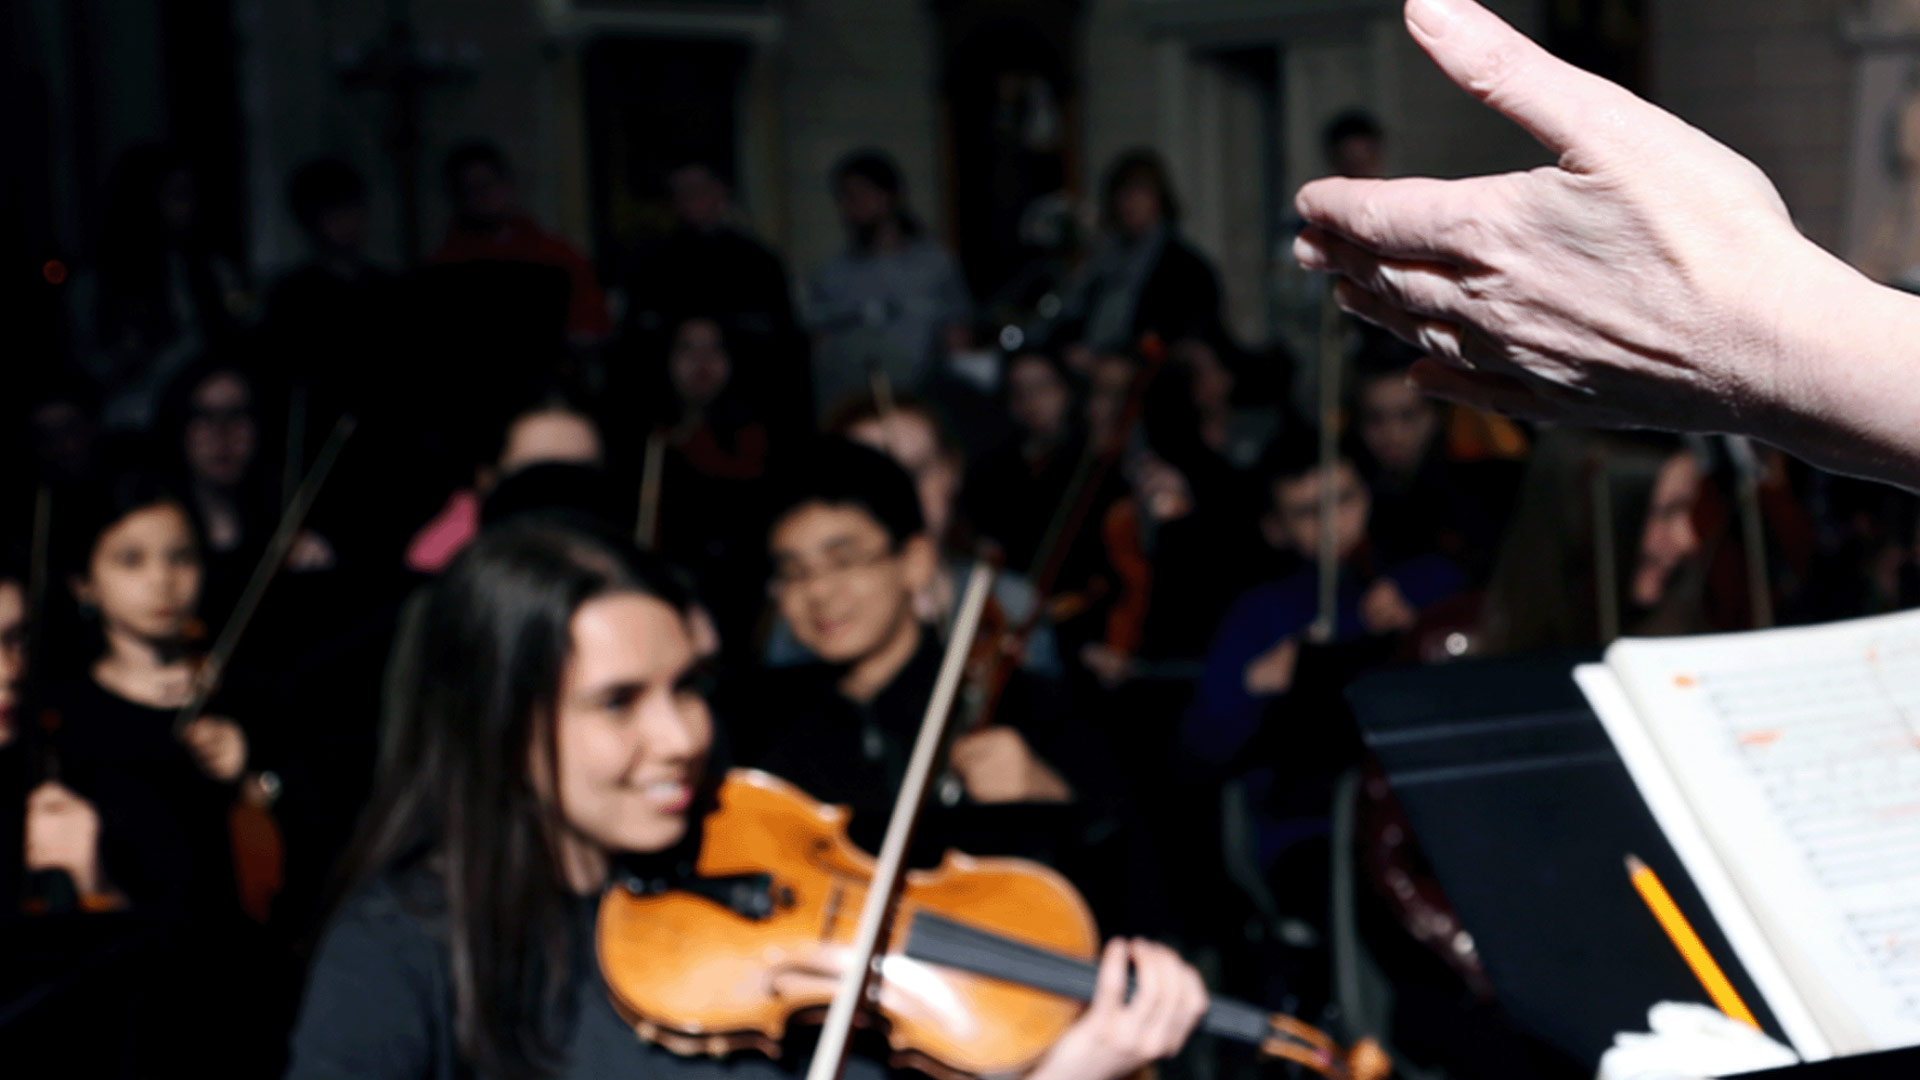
(1798,751)
(1689,842)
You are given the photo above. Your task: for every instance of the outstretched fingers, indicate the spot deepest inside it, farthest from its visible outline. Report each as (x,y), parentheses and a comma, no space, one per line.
(1483,390)
(1423,288)
(1410,218)
(1568,110)
(1442,340)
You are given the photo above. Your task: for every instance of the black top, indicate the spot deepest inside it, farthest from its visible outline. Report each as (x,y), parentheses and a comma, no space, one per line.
(379,1004)
(16,782)
(164,837)
(796,724)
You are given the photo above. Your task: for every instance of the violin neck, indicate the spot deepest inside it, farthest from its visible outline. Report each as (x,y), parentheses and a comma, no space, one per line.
(935,939)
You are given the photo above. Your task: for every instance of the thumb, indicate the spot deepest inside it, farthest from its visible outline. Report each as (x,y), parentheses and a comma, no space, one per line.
(1565,108)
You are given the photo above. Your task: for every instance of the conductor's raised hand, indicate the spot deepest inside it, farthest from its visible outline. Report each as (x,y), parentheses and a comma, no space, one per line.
(1122,1032)
(1643,279)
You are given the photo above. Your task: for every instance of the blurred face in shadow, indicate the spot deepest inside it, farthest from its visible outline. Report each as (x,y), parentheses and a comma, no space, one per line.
(864,205)
(62,434)
(1296,510)
(699,198)
(1112,385)
(698,364)
(1137,207)
(144,574)
(1397,422)
(1037,397)
(1358,156)
(1669,539)
(13,653)
(343,228)
(483,196)
(221,436)
(176,202)
(1211,381)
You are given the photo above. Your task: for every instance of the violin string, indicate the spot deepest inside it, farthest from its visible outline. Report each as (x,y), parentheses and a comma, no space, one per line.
(939,940)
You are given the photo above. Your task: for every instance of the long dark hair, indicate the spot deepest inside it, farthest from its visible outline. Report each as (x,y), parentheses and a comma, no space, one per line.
(453,795)
(1549,586)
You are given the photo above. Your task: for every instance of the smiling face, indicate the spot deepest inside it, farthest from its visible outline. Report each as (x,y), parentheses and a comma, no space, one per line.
(842,585)
(633,729)
(144,574)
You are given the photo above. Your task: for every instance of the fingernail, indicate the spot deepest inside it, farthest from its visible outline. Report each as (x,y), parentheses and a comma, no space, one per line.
(1308,254)
(1432,17)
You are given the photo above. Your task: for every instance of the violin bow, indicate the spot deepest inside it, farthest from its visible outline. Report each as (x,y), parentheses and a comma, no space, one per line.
(876,914)
(646,531)
(1753,527)
(278,547)
(1327,559)
(38,575)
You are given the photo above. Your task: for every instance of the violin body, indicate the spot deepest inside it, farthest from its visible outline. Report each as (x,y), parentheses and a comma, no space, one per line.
(695,976)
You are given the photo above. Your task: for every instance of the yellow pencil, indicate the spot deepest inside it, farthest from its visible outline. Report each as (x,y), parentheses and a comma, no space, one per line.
(1724,996)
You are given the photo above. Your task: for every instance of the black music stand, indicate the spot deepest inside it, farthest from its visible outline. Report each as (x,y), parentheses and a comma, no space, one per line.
(1525,811)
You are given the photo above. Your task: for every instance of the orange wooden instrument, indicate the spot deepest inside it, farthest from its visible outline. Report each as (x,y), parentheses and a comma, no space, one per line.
(985,964)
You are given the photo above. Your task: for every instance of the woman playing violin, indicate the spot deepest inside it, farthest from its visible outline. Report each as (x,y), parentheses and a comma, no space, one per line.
(556,723)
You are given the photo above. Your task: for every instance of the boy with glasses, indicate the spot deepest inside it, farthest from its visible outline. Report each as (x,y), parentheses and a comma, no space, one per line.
(850,552)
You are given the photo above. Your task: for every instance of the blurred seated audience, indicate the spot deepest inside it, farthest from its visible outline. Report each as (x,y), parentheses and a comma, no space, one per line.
(209,437)
(1424,500)
(1142,277)
(893,302)
(553,427)
(330,320)
(1605,528)
(160,292)
(489,226)
(1257,654)
(708,265)
(708,504)
(1013,492)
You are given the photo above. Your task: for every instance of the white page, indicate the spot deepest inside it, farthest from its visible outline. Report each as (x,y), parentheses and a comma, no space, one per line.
(1798,751)
(1684,835)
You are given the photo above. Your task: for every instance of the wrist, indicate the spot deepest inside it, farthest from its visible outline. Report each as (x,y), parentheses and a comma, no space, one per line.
(1846,362)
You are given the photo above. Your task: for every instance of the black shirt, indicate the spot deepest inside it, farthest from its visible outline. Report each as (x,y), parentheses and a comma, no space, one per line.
(164,838)
(795,723)
(379,1004)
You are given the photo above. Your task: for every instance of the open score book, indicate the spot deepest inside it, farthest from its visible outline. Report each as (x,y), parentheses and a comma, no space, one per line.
(1784,768)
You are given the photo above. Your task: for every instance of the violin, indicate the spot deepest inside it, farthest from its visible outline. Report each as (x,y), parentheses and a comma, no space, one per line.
(1005,645)
(986,963)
